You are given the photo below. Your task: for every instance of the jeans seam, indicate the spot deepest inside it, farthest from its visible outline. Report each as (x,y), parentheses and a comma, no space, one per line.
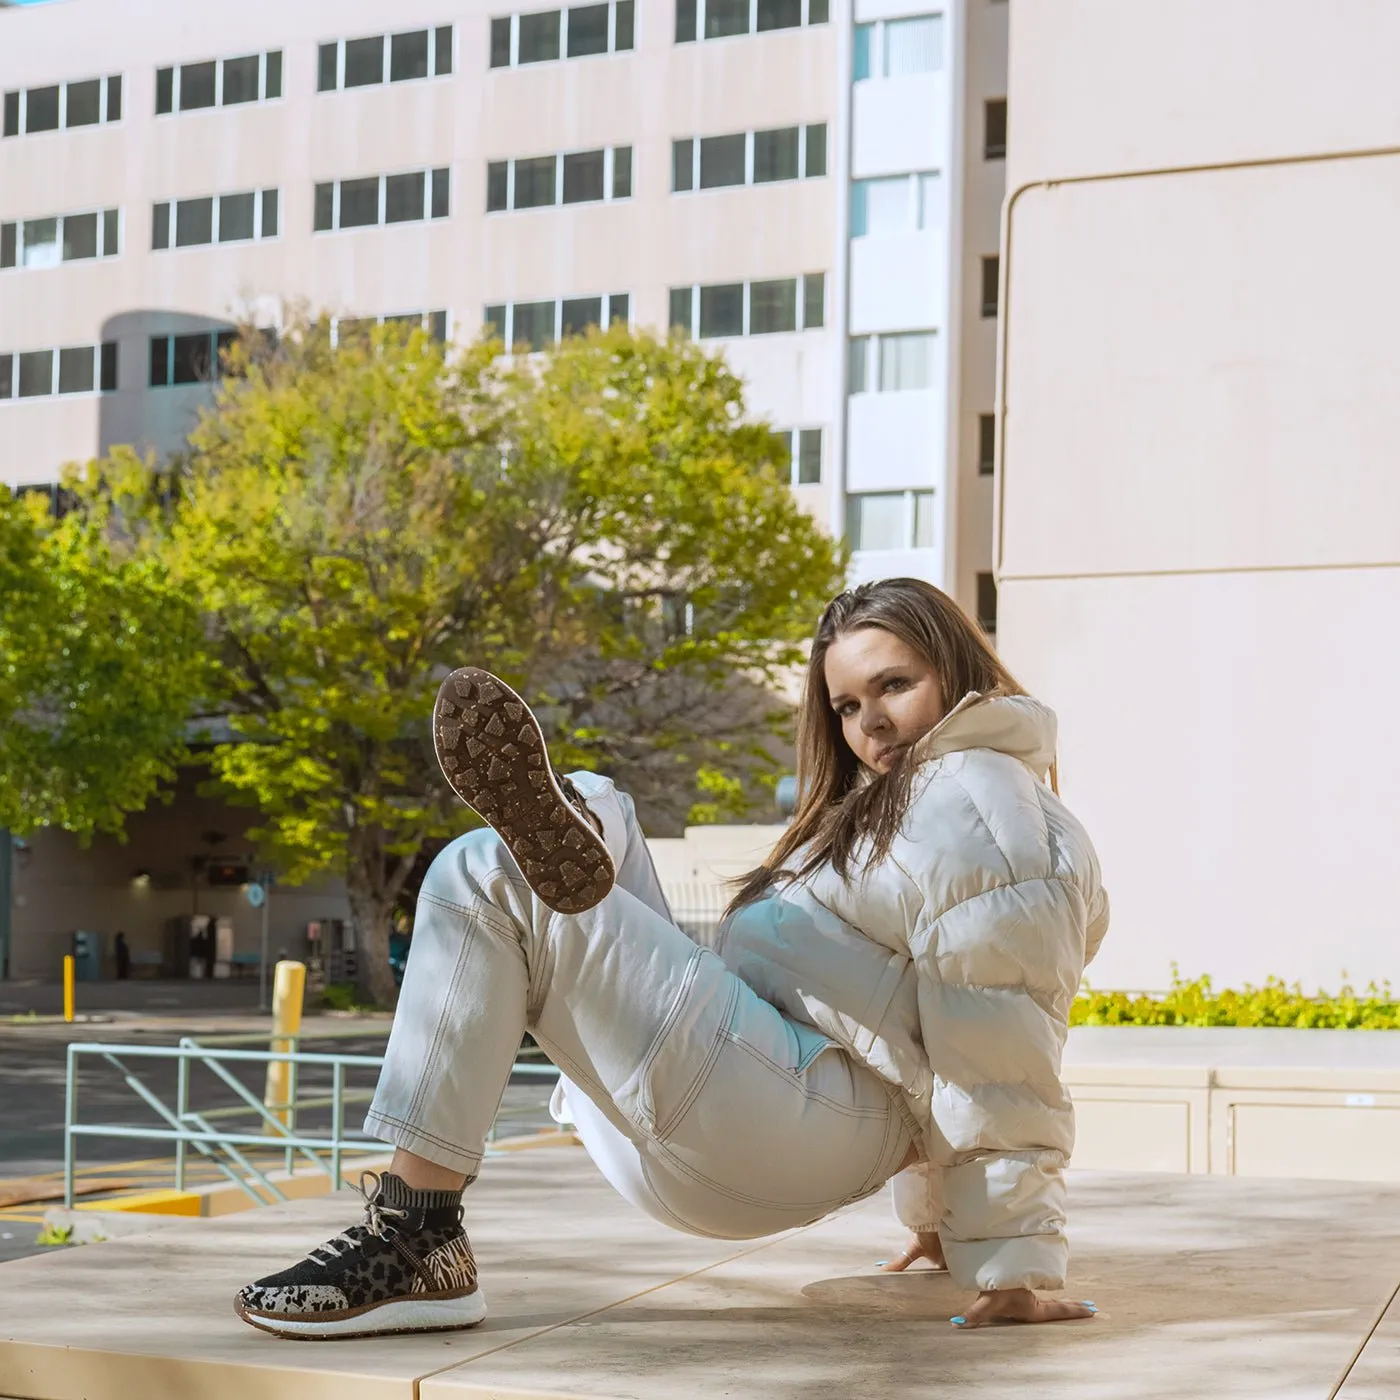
(391,1121)
(818,1208)
(702,1076)
(654,1049)
(799,1083)
(420,1091)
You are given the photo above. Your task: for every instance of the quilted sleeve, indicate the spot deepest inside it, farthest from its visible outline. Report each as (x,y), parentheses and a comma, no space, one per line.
(918,1197)
(996,973)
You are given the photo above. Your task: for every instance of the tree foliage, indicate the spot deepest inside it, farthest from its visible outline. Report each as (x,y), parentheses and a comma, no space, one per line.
(601,526)
(100,658)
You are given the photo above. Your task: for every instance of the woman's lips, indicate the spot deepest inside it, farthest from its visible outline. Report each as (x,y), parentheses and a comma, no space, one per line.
(882,754)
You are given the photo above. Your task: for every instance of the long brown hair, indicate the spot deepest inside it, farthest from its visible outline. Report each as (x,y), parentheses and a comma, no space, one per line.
(834,811)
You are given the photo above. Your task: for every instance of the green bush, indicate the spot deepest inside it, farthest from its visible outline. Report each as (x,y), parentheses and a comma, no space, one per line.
(1197,1003)
(343,996)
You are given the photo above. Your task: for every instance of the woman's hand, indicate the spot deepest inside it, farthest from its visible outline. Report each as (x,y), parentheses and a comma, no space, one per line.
(1020,1305)
(922,1246)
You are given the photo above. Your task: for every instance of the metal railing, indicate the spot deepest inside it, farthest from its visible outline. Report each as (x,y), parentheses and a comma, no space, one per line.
(275,1125)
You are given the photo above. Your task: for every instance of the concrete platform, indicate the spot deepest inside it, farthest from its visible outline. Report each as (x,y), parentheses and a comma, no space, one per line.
(1209,1287)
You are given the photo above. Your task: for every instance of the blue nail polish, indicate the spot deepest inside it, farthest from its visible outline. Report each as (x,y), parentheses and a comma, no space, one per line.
(880,1263)
(1088,1304)
(958,1321)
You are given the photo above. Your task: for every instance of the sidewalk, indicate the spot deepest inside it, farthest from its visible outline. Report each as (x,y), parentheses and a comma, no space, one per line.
(1208,1287)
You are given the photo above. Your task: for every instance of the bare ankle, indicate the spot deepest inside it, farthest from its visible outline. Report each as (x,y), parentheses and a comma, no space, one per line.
(422,1175)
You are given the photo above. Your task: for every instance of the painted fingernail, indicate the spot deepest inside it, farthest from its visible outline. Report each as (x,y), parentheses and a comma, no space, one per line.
(958,1321)
(880,1263)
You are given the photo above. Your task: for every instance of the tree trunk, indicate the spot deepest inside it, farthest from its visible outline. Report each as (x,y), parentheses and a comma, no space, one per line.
(370,911)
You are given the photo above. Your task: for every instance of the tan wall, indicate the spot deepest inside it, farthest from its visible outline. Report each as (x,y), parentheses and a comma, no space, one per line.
(1199,506)
(983,188)
(60,886)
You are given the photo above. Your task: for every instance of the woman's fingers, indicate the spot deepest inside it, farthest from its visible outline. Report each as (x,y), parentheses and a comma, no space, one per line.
(924,1246)
(902,1261)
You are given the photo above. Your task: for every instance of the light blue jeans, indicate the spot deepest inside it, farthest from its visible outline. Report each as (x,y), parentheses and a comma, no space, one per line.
(700,1102)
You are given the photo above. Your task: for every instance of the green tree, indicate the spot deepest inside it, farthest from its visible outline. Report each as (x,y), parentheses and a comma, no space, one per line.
(100,658)
(600,526)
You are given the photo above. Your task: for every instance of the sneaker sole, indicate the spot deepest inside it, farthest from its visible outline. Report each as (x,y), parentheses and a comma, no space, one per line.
(493,755)
(380,1320)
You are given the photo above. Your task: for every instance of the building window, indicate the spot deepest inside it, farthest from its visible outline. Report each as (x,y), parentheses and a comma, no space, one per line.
(578,177)
(75,369)
(987,603)
(196,358)
(994,129)
(434,322)
(722,19)
(90,102)
(409,197)
(986,444)
(750,308)
(895,48)
(526,326)
(896,204)
(384,58)
(226,82)
(991,276)
(891,520)
(225,218)
(748,157)
(63,238)
(890,364)
(804,448)
(547,35)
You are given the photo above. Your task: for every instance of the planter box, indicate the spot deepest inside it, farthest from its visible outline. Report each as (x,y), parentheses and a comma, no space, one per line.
(1285,1103)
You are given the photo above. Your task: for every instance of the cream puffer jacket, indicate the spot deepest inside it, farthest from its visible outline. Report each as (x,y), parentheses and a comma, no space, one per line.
(949,969)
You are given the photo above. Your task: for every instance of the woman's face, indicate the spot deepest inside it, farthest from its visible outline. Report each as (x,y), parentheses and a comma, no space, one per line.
(886,695)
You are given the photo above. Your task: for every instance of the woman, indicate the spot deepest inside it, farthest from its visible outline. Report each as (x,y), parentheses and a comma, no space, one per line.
(888,997)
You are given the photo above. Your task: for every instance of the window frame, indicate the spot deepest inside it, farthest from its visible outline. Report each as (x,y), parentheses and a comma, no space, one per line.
(610,180)
(806,283)
(505,328)
(513,19)
(103,352)
(870,48)
(804,139)
(696,10)
(109,95)
(864,362)
(386,58)
(430,186)
(12,233)
(171,219)
(912,495)
(264,66)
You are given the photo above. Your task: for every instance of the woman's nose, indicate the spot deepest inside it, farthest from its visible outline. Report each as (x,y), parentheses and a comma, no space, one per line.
(874,722)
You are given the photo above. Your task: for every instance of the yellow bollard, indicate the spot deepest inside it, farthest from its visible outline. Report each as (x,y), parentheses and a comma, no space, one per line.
(288,992)
(69,966)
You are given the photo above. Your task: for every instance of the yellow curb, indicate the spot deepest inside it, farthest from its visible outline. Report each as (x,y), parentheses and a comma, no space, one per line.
(149,1203)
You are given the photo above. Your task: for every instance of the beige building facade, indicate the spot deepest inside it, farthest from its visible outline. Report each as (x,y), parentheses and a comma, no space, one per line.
(809,187)
(1198,535)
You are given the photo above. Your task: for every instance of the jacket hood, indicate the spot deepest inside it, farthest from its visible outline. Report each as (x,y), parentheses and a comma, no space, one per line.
(1018,725)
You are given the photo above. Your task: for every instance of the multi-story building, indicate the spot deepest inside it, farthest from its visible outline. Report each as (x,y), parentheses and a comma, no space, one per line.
(812,188)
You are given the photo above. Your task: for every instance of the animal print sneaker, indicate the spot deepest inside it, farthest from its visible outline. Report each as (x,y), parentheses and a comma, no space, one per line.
(407,1268)
(493,754)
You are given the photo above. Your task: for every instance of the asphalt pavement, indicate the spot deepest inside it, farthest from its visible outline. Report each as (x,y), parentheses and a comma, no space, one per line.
(33,1059)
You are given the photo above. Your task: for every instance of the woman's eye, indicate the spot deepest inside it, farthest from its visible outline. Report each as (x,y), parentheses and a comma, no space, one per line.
(897,681)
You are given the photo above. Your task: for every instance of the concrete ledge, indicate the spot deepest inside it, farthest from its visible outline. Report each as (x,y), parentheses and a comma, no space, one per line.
(1208,1287)
(1288,1103)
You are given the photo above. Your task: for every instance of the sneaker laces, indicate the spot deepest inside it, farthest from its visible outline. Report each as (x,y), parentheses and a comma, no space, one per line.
(377,1217)
(580,801)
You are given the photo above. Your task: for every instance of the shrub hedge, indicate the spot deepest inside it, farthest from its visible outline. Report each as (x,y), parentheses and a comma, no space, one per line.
(1197,1003)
